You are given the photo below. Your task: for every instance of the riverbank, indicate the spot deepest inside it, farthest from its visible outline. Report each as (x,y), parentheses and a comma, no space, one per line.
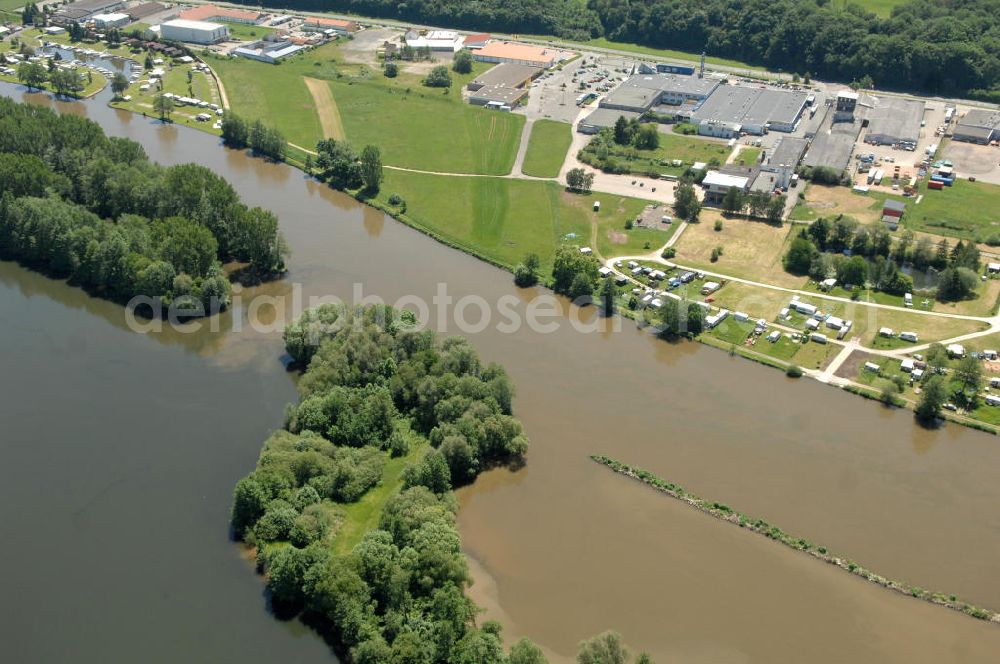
(762,527)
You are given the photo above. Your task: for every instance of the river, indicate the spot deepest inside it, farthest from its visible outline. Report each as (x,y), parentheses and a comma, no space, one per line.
(114,497)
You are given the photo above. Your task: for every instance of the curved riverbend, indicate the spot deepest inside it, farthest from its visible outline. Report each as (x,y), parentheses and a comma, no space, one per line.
(121,451)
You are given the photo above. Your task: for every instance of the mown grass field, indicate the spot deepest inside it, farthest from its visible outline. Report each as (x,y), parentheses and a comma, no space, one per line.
(175,80)
(547,148)
(500,219)
(967,210)
(879,7)
(414,126)
(751,249)
(245,32)
(687,149)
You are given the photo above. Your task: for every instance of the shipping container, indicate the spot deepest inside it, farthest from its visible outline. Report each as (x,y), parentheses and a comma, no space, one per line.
(934,184)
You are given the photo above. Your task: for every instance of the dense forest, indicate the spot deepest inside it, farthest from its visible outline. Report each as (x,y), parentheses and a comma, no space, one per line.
(80,205)
(376,392)
(941,46)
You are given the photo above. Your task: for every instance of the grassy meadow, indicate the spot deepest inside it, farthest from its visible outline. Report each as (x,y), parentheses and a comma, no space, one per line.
(414,126)
(547,148)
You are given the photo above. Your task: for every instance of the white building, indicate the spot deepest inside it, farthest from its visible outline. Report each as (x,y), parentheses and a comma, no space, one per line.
(106,21)
(194,32)
(717,184)
(435,40)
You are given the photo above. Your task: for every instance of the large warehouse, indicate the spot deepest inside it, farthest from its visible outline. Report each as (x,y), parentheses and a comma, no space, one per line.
(978,126)
(756,110)
(894,121)
(641,93)
(193,32)
(518,54)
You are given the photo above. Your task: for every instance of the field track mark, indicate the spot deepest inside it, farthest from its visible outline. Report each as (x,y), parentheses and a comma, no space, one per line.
(326,109)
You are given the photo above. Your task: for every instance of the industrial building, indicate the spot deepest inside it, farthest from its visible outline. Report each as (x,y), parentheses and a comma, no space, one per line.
(894,121)
(84,10)
(476,42)
(642,92)
(978,126)
(340,27)
(107,21)
(213,13)
(717,184)
(268,51)
(194,32)
(497,95)
(757,110)
(435,40)
(518,54)
(783,160)
(602,118)
(683,70)
(505,74)
(139,12)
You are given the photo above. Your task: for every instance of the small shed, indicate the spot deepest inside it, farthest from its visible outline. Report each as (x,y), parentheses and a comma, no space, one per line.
(906,365)
(812,324)
(818,338)
(597,206)
(917,374)
(993,267)
(871,366)
(586,250)
(828,284)
(604,271)
(956,350)
(893,208)
(992,399)
(886,332)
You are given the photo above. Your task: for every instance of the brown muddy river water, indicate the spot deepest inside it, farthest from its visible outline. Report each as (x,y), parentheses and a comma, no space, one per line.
(120,451)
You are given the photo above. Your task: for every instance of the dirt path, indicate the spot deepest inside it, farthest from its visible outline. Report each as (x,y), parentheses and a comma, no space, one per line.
(326,108)
(522,149)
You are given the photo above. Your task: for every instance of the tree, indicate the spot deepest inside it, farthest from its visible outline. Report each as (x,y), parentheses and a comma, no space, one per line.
(148,61)
(235,131)
(338,164)
(163,106)
(526,652)
(526,272)
(608,294)
(463,62)
(606,648)
(391,70)
(733,201)
(686,203)
(969,373)
(32,74)
(439,77)
(956,284)
(580,180)
(66,82)
(582,287)
(932,398)
(119,84)
(371,168)
(648,137)
(776,208)
(623,135)
(567,264)
(799,259)
(853,272)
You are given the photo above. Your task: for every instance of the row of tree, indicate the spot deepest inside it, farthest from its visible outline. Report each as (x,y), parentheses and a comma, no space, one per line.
(264,140)
(93,208)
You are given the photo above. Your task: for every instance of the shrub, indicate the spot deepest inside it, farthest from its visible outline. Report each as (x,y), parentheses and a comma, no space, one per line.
(628,224)
(669,253)
(718,225)
(793,371)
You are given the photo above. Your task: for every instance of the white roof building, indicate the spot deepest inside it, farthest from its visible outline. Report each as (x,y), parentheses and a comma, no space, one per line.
(715,179)
(435,40)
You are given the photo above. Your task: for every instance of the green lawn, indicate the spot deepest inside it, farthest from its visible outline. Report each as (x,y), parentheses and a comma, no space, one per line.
(687,149)
(880,7)
(414,126)
(748,155)
(967,210)
(500,219)
(245,32)
(547,148)
(363,516)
